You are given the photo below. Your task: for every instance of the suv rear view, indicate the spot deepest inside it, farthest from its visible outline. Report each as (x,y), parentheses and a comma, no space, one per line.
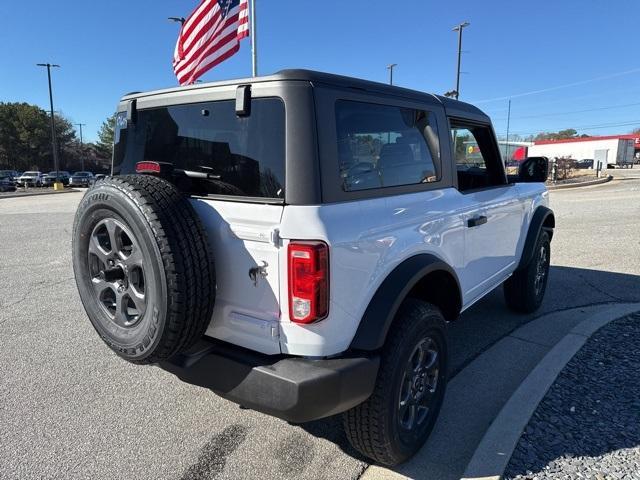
(296,243)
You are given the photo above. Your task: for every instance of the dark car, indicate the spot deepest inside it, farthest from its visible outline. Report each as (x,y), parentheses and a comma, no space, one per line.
(9,174)
(585,163)
(81,179)
(50,178)
(6,182)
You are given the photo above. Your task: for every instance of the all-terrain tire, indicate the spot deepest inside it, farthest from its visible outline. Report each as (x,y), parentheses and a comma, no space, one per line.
(374,427)
(172,271)
(524,290)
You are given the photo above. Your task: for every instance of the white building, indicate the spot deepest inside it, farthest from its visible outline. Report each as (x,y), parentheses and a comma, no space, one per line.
(610,150)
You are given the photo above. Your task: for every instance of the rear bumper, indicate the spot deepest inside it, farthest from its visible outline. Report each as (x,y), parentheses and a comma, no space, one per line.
(292,388)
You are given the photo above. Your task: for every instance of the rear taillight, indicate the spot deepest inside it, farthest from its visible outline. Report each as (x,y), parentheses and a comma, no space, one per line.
(148,167)
(308,281)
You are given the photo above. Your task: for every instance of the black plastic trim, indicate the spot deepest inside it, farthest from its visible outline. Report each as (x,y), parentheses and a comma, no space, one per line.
(384,305)
(292,388)
(535,227)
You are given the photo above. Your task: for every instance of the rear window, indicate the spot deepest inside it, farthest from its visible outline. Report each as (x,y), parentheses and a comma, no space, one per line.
(208,148)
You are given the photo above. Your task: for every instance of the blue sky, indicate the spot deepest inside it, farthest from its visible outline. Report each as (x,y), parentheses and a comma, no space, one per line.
(108,48)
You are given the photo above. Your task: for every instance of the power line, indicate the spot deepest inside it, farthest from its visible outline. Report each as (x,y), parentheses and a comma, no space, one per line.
(624,93)
(559,87)
(584,127)
(610,107)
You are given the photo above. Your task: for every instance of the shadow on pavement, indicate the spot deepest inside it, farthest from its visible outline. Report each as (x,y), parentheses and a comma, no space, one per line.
(486,323)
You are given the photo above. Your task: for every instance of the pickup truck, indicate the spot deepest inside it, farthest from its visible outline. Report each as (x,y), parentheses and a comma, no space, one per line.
(297,243)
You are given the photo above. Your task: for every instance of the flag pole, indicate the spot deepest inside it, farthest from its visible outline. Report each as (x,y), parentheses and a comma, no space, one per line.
(254,42)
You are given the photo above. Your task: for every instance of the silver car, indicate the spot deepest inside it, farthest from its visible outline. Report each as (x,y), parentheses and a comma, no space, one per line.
(30,179)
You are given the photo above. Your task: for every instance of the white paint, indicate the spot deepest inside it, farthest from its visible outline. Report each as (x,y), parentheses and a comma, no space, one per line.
(618,150)
(367,240)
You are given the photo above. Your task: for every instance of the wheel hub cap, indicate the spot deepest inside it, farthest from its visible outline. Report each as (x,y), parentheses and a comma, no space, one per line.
(419,385)
(117,273)
(541,270)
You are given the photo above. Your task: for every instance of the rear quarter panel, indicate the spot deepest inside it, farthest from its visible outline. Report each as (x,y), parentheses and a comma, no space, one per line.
(367,240)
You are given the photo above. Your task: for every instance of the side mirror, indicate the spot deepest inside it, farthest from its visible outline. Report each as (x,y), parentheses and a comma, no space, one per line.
(534,169)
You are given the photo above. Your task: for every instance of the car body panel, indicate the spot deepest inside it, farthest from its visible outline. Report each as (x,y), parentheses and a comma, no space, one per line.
(244,237)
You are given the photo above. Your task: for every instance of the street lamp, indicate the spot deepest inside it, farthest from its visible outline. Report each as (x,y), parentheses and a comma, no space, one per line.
(458,28)
(390,68)
(179,20)
(81,152)
(53,123)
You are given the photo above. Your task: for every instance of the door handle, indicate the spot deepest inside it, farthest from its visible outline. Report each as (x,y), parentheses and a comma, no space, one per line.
(474,222)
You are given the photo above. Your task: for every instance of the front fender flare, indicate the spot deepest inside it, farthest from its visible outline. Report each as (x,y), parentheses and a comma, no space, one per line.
(536,226)
(384,305)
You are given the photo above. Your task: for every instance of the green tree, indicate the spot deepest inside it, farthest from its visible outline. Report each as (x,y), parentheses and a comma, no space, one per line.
(561,135)
(105,135)
(25,137)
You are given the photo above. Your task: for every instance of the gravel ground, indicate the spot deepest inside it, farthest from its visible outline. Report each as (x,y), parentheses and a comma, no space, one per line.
(588,424)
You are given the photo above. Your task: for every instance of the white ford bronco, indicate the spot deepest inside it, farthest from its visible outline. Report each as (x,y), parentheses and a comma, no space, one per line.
(298,242)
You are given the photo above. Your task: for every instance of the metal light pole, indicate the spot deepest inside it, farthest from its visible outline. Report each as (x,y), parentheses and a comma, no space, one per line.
(53,122)
(508,125)
(82,154)
(458,28)
(390,68)
(180,20)
(254,40)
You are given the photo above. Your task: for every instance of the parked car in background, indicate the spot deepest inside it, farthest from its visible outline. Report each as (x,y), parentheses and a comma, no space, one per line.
(49,179)
(585,163)
(31,178)
(81,179)
(9,174)
(7,185)
(99,176)
(6,181)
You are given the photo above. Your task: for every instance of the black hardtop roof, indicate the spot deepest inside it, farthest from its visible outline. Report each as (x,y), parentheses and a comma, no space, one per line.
(316,77)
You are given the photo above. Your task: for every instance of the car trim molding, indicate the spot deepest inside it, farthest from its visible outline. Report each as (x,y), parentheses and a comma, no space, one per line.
(381,311)
(535,227)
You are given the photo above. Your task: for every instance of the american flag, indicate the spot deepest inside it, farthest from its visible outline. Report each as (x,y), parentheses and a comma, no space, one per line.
(210,35)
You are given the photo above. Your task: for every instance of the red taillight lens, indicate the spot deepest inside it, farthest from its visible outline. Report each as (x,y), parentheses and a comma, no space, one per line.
(148,167)
(308,281)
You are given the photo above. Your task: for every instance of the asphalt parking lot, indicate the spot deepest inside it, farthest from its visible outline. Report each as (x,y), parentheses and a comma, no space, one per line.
(69,408)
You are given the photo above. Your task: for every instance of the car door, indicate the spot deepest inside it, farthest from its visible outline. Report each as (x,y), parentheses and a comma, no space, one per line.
(491,210)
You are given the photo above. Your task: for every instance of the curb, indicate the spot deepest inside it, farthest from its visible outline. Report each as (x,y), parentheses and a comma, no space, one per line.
(35,194)
(581,184)
(494,451)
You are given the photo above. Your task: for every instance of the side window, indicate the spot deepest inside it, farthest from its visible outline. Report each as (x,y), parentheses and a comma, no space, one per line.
(477,163)
(385,146)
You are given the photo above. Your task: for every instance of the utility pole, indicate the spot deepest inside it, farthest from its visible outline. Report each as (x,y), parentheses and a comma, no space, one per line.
(254,40)
(508,124)
(53,122)
(81,152)
(390,68)
(458,28)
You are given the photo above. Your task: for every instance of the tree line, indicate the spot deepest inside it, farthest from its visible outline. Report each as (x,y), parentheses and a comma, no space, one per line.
(25,141)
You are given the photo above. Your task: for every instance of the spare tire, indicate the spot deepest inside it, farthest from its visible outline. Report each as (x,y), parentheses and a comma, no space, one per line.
(143,267)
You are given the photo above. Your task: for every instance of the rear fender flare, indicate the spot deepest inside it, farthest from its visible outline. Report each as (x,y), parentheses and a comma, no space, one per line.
(384,305)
